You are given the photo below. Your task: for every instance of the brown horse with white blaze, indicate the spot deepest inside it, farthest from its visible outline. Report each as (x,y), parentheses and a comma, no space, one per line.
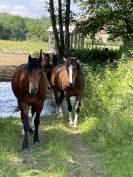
(29,85)
(68,80)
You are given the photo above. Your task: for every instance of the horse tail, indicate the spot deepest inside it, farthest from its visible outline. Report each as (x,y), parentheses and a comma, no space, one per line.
(17,109)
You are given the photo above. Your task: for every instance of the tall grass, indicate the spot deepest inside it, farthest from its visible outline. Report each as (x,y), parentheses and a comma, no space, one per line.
(107,112)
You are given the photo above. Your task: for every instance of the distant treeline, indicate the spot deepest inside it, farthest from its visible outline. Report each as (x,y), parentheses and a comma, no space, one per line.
(23,28)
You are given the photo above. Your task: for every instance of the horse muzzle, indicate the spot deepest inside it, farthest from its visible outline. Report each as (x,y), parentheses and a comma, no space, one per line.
(33,91)
(72,85)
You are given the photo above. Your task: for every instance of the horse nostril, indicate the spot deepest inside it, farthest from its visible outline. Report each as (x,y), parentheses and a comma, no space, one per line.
(72,84)
(33,91)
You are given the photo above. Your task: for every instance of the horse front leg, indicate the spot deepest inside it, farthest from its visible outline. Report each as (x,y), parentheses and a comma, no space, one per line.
(70,112)
(37,122)
(77,110)
(58,99)
(24,117)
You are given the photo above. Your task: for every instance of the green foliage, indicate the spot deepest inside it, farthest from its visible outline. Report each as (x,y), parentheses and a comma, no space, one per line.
(37,28)
(127,50)
(116,17)
(107,115)
(108,99)
(22,28)
(13,26)
(95,56)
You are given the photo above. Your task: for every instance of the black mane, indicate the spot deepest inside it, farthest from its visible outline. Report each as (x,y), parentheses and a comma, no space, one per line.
(34,63)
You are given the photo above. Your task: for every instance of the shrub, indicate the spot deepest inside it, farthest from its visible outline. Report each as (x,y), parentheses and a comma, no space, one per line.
(107,105)
(95,56)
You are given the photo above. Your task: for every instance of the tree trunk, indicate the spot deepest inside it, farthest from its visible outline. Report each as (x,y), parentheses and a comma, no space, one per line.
(62,47)
(67,21)
(53,22)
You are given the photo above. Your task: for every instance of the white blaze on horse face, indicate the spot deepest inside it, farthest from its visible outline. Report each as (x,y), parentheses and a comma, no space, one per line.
(70,69)
(30,86)
(34,79)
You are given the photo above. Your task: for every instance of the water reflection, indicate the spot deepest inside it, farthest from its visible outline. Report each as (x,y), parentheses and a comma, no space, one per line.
(8,102)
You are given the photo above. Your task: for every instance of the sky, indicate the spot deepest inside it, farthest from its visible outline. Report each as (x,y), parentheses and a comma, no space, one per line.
(30,8)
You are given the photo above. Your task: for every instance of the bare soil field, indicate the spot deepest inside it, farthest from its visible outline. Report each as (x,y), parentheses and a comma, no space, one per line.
(9,63)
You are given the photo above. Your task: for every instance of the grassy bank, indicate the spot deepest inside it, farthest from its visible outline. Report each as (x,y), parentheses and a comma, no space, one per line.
(107,115)
(23,46)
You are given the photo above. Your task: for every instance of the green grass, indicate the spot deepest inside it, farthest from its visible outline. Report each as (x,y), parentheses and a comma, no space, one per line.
(23,46)
(48,159)
(107,114)
(61,153)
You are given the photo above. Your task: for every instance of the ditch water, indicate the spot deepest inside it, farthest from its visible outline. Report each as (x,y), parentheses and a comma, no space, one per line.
(8,103)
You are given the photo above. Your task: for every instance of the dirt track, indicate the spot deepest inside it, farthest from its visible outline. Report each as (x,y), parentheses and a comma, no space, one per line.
(9,63)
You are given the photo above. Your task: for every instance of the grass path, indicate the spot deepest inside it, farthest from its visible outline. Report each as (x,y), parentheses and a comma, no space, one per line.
(61,153)
(86,162)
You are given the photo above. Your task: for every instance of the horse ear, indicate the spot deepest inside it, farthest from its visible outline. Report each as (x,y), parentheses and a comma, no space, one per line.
(76,59)
(40,57)
(64,59)
(29,58)
(78,62)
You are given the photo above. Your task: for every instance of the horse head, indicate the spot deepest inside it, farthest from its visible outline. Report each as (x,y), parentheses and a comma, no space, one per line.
(72,66)
(45,59)
(34,73)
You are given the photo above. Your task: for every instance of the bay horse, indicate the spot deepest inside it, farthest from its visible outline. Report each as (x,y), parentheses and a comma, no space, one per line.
(29,85)
(68,80)
(47,65)
(48,62)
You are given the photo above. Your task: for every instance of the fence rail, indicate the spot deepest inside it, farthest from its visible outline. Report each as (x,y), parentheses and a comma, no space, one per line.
(14,52)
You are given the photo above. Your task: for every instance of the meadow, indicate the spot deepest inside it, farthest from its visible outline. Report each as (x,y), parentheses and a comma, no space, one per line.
(23,46)
(102,146)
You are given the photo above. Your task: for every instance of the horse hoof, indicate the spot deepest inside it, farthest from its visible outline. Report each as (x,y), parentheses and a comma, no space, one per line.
(25,146)
(75,126)
(60,115)
(31,131)
(70,125)
(36,140)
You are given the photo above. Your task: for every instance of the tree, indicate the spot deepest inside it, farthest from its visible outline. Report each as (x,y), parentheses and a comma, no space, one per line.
(67,21)
(54,26)
(21,28)
(18,28)
(63,18)
(116,16)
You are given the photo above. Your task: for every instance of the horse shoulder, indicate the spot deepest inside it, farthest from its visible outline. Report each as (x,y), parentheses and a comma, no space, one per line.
(63,78)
